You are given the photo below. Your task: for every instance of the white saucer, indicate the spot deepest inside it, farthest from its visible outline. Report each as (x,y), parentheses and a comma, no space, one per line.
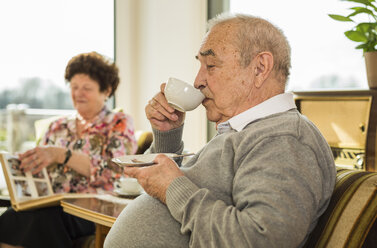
(123,193)
(142,159)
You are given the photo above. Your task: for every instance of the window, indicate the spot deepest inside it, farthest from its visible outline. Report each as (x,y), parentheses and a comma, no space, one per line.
(322,57)
(38,39)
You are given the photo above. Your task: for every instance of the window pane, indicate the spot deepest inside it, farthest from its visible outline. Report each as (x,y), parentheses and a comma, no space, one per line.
(38,38)
(322,57)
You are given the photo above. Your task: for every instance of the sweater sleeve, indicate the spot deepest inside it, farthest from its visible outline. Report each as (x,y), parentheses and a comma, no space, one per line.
(276,192)
(168,141)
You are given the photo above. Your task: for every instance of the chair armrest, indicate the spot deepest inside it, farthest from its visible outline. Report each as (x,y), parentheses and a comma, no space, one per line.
(351,213)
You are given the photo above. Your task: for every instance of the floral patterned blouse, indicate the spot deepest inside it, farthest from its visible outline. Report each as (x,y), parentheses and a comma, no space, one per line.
(110,135)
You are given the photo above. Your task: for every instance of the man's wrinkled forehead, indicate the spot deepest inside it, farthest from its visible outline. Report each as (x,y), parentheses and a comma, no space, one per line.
(218,40)
(205,48)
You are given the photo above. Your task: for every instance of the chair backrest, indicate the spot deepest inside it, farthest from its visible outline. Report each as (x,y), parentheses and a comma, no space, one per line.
(41,127)
(349,220)
(144,141)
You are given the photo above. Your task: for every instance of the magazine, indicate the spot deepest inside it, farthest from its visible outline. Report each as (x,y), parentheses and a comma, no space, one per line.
(28,191)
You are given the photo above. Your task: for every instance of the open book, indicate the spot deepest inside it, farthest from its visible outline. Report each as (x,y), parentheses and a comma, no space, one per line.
(28,191)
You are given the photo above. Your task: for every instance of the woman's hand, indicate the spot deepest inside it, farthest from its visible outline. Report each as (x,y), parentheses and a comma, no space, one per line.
(161,115)
(36,159)
(156,179)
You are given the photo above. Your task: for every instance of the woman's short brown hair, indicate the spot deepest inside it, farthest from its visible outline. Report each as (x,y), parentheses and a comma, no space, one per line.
(97,67)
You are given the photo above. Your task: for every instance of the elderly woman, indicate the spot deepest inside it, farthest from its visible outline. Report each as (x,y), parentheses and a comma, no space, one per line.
(76,151)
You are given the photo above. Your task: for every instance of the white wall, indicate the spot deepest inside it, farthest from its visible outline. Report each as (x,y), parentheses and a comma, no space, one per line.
(155,40)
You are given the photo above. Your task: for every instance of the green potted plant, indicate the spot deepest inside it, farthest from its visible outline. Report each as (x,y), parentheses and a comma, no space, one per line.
(365,33)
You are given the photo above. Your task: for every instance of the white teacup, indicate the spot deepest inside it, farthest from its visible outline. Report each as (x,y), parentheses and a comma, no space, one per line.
(182,96)
(128,185)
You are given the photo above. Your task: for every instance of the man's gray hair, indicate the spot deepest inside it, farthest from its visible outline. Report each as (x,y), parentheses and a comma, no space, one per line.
(256,35)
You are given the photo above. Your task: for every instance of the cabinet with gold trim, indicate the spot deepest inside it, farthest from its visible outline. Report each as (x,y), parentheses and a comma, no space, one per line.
(347,119)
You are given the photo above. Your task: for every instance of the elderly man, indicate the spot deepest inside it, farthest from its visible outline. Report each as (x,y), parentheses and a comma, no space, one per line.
(262,181)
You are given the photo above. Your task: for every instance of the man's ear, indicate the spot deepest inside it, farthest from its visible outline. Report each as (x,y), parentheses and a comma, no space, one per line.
(263,64)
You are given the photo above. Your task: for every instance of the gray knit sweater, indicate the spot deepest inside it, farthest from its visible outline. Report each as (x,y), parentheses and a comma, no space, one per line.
(265,186)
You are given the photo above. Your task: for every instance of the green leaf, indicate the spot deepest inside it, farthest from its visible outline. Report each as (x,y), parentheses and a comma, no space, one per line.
(356,36)
(361,10)
(366,47)
(356,8)
(362,46)
(364,27)
(366,2)
(373,6)
(340,18)
(368,24)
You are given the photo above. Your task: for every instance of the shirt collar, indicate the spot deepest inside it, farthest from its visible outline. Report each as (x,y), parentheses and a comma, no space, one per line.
(276,104)
(223,127)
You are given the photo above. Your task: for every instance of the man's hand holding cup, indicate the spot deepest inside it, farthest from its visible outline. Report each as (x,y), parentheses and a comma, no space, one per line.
(166,110)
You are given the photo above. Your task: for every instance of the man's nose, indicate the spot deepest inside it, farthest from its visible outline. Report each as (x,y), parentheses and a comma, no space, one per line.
(200,80)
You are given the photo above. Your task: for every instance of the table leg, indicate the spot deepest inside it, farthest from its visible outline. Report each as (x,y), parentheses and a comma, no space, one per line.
(101,232)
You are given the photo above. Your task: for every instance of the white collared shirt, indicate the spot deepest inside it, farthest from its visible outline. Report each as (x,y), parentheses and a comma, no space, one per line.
(276,104)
